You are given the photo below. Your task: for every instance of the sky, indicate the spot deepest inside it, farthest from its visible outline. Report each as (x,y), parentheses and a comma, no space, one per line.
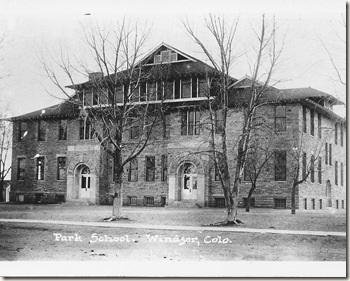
(35,30)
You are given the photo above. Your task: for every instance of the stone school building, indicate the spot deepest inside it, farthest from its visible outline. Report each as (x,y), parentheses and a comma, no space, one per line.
(56,157)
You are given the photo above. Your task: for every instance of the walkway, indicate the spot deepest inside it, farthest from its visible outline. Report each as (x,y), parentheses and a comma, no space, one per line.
(174,227)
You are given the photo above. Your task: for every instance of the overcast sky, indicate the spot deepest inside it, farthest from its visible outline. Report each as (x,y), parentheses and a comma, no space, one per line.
(35,28)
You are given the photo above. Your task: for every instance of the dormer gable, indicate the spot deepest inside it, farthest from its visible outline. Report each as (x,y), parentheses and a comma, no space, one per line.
(165,54)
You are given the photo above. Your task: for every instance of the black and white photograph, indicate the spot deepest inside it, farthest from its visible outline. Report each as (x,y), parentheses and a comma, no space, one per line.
(173,138)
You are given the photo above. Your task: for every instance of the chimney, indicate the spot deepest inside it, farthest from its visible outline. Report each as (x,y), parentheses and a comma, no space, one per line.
(93,76)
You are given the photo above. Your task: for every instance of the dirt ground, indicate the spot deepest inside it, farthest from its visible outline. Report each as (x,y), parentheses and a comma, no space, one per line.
(327,220)
(34,242)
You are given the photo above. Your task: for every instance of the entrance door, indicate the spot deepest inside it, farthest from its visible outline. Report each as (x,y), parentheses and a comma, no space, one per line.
(85,179)
(189,182)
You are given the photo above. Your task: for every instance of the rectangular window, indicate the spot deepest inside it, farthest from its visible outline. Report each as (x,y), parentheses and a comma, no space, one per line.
(164,167)
(330,154)
(342,204)
(280,118)
(150,168)
(23,131)
(336,173)
(160,90)
(319,170)
(42,127)
(133,170)
(219,121)
(177,88)
(312,122)
(341,174)
(216,174)
(202,88)
(326,154)
(313,204)
(319,125)
(341,135)
(304,119)
(152,91)
(305,203)
(280,203)
(61,168)
(132,200)
(185,89)
(86,130)
(95,97)
(220,202)
(62,131)
(168,90)
(337,203)
(336,133)
(21,168)
(143,93)
(280,165)
(149,201)
(312,168)
(304,165)
(194,87)
(40,167)
(321,204)
(190,122)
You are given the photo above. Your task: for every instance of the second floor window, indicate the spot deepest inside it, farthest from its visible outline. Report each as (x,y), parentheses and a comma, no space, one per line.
(150,168)
(319,169)
(280,118)
(42,130)
(326,153)
(330,154)
(62,131)
(40,167)
(23,131)
(95,97)
(190,122)
(304,166)
(133,170)
(312,122)
(21,168)
(341,135)
(312,168)
(336,173)
(86,131)
(319,125)
(336,133)
(341,174)
(280,165)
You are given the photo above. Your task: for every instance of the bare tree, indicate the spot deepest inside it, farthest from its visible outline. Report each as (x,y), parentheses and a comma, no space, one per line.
(304,165)
(224,35)
(258,156)
(5,147)
(119,113)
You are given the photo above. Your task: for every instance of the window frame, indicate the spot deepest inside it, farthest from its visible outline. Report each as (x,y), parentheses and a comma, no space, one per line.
(86,130)
(190,122)
(312,122)
(23,127)
(59,167)
(40,168)
(164,165)
(20,176)
(150,168)
(282,125)
(133,170)
(278,165)
(62,129)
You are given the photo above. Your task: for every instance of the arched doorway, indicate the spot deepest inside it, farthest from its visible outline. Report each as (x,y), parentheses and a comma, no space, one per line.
(85,182)
(329,193)
(188,181)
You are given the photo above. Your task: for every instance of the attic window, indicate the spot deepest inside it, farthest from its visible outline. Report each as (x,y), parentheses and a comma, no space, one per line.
(165,57)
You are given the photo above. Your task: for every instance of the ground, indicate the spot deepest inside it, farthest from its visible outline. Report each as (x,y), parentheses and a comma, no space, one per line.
(33,241)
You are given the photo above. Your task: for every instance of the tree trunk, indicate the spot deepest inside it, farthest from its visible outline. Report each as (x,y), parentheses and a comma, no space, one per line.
(247,207)
(117,200)
(293,198)
(1,190)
